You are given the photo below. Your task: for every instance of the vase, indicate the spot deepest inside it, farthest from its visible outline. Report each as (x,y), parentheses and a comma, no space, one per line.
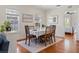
(8,28)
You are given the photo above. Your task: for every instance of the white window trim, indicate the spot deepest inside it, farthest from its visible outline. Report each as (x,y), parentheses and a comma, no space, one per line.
(15,14)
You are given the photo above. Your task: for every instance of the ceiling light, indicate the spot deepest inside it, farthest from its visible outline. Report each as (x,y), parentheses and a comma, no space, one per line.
(58,5)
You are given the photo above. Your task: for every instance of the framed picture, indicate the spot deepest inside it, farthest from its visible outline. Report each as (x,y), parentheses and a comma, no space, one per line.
(27,18)
(53,20)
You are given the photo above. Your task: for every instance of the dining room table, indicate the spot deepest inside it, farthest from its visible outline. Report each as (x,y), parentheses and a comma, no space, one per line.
(37,32)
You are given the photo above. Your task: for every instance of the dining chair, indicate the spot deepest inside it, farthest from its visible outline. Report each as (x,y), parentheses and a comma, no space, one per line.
(53,29)
(29,36)
(45,37)
(48,30)
(31,27)
(49,34)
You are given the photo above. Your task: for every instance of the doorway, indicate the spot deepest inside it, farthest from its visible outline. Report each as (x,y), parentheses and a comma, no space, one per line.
(69,31)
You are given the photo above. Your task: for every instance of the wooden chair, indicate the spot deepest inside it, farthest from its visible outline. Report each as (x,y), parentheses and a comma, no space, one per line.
(31,27)
(49,34)
(45,37)
(28,35)
(53,29)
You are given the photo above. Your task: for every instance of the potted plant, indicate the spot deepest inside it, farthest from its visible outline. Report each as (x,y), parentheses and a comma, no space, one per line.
(7,25)
(2,28)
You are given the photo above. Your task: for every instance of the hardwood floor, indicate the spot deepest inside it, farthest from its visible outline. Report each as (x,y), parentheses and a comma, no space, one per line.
(21,49)
(68,45)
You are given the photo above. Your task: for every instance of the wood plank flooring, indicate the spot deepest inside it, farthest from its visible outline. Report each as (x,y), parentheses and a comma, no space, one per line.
(68,45)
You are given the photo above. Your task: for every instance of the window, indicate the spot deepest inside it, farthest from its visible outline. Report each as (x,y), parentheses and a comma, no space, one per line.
(13,17)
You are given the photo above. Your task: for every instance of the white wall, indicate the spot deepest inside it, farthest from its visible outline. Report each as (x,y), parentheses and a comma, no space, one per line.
(60,12)
(12,37)
(76,25)
(60,25)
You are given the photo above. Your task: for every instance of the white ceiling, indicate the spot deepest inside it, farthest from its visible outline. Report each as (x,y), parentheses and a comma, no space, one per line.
(46,7)
(53,7)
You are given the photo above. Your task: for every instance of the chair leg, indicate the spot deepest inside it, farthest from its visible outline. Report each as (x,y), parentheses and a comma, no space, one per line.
(26,41)
(29,42)
(51,39)
(35,40)
(45,43)
(54,39)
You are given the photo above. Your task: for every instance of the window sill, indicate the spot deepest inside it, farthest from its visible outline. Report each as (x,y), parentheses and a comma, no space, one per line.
(10,32)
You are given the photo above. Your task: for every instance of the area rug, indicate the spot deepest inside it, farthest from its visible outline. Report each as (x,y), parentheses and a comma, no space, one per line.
(35,48)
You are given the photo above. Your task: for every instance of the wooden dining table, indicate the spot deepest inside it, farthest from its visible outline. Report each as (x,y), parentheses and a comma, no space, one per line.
(37,32)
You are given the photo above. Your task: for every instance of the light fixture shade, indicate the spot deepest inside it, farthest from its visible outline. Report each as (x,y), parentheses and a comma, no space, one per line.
(58,5)
(70,12)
